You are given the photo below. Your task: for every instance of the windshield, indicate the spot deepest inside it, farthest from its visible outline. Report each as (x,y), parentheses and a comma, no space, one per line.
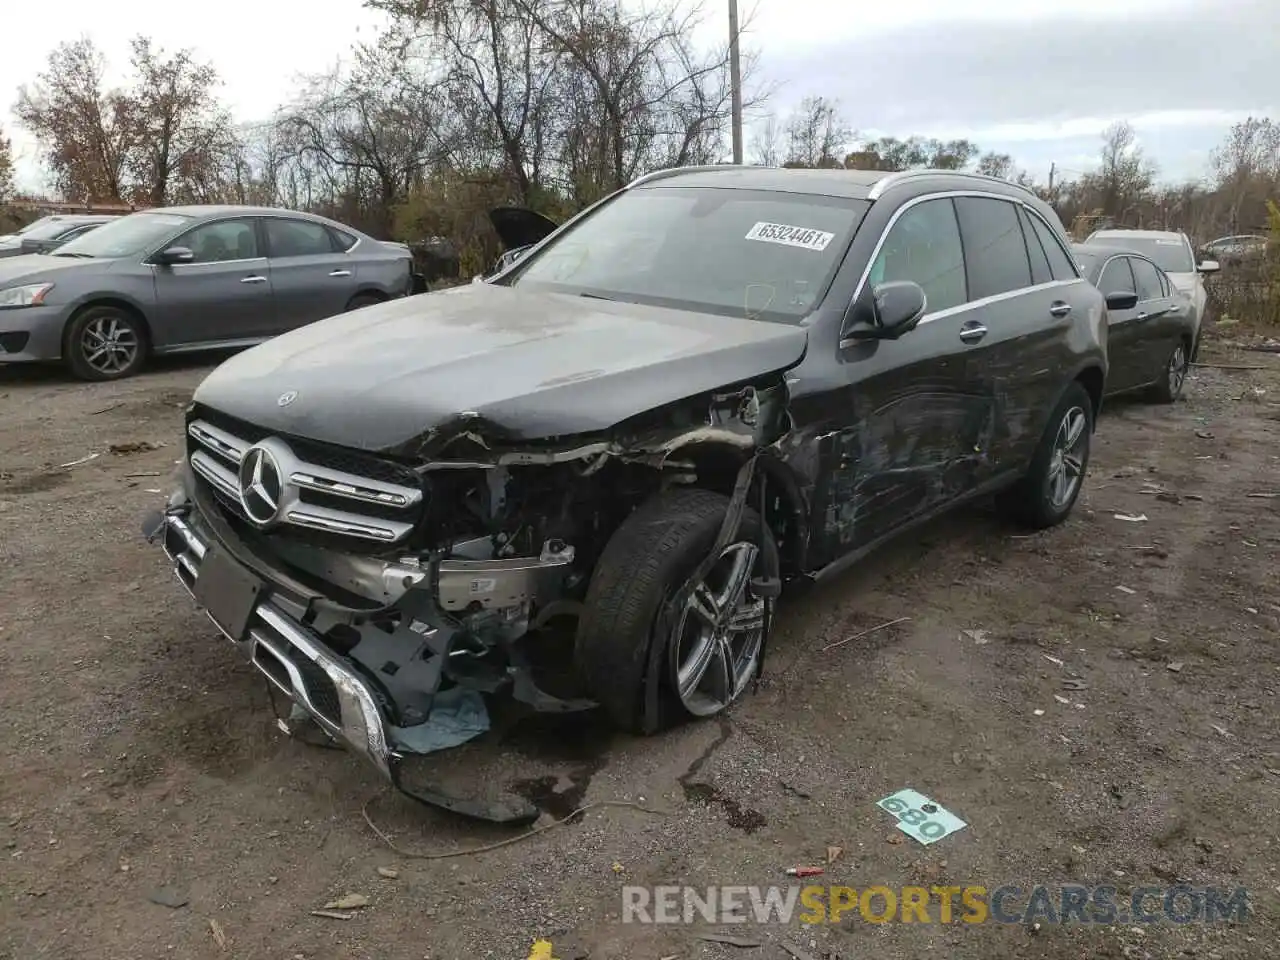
(761,255)
(1170,253)
(51,230)
(126,237)
(34,225)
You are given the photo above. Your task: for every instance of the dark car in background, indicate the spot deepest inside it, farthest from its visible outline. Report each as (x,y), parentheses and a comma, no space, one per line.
(1153,327)
(47,237)
(519,229)
(713,381)
(188,278)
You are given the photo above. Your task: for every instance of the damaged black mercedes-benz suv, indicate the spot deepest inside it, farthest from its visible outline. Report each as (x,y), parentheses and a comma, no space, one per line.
(712,382)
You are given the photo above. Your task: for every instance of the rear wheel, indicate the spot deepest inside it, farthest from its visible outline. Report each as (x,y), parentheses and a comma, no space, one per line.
(361,300)
(1045,495)
(105,343)
(710,650)
(1174,376)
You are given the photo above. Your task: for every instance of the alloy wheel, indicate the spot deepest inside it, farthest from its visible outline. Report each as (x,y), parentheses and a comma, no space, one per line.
(109,345)
(1066,466)
(715,649)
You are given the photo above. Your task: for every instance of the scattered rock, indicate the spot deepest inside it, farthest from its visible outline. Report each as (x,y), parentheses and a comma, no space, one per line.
(171,897)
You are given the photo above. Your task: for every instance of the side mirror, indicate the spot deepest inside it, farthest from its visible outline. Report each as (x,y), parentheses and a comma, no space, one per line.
(1122,300)
(1208,266)
(890,310)
(172,255)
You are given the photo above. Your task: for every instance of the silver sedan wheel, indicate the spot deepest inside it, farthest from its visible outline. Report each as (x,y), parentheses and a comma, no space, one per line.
(716,645)
(1066,466)
(109,344)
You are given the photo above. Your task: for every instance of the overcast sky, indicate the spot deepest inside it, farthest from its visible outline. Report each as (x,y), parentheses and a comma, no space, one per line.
(1034,78)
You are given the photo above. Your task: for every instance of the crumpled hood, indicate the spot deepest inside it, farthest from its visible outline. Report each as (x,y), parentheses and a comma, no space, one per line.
(518,364)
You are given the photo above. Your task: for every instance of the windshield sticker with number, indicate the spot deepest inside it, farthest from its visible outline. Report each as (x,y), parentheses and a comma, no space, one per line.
(790,236)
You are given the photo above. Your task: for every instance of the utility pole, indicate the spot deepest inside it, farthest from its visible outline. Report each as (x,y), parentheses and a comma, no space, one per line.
(735,81)
(1053,168)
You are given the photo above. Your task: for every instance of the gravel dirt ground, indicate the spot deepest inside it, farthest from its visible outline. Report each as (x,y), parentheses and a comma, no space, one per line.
(140,758)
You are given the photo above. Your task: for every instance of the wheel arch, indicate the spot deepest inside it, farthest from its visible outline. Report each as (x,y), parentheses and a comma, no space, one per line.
(116,302)
(716,467)
(1094,382)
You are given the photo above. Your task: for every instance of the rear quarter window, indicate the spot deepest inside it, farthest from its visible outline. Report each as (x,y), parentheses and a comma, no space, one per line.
(1059,262)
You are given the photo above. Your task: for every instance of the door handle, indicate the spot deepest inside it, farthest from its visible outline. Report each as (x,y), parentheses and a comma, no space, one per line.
(972,332)
(1141,317)
(340,273)
(1059,309)
(254,279)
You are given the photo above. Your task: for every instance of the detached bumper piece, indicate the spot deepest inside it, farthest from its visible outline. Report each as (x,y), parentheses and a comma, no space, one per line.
(279,635)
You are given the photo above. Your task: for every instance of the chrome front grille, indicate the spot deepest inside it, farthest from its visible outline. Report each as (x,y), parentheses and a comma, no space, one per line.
(306,490)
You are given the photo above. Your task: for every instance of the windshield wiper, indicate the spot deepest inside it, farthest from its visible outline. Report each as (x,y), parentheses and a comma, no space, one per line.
(597,296)
(78,256)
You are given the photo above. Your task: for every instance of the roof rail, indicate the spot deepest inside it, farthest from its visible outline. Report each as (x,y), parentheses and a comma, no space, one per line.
(892,180)
(676,171)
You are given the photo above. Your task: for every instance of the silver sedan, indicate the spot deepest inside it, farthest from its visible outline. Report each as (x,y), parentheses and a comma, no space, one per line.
(188,278)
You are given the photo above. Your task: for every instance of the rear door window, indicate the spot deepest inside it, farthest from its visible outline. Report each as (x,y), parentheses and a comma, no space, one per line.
(297,238)
(994,251)
(923,246)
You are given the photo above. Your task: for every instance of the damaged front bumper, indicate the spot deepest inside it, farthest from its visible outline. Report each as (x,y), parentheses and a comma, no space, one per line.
(378,712)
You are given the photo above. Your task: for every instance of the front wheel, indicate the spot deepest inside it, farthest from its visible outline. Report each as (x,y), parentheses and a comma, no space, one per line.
(1045,495)
(709,650)
(105,343)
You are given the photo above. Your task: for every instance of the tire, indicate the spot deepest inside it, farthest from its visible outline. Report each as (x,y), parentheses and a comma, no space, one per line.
(1173,377)
(120,333)
(361,300)
(648,558)
(1034,502)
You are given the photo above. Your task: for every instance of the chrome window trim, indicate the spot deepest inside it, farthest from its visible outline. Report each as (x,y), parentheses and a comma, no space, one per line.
(969,304)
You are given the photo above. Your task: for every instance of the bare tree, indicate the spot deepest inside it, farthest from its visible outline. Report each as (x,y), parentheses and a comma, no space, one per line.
(1125,175)
(766,142)
(1246,168)
(499,69)
(86,131)
(817,134)
(362,138)
(6,168)
(996,165)
(182,137)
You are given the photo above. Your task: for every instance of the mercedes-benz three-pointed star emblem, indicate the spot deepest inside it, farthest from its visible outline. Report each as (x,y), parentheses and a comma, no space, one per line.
(286,398)
(261,486)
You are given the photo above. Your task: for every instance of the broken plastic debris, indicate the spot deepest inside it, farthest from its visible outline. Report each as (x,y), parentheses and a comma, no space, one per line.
(76,463)
(1130,518)
(350,901)
(804,871)
(1054,660)
(1038,713)
(919,817)
(1123,589)
(457,715)
(541,950)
